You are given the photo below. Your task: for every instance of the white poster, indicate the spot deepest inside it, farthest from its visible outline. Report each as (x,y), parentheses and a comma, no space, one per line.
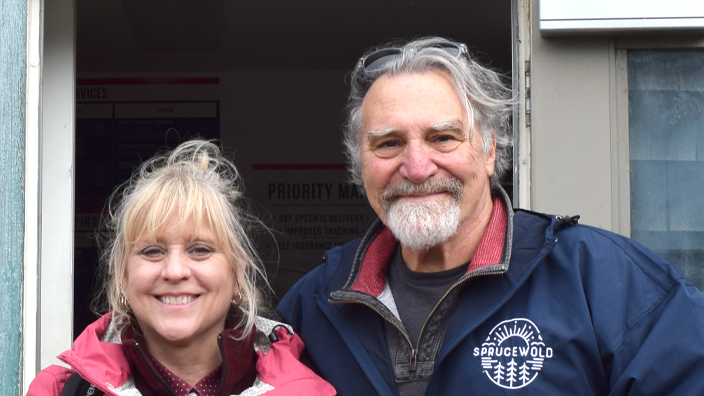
(313,208)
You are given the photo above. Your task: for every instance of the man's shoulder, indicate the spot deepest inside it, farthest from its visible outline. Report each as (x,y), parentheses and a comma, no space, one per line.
(569,230)
(530,228)
(603,252)
(600,249)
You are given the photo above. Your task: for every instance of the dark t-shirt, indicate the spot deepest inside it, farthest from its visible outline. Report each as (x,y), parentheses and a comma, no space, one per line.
(417,293)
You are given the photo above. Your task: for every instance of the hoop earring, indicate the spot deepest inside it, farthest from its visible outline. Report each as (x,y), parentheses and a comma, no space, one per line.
(124,304)
(237,301)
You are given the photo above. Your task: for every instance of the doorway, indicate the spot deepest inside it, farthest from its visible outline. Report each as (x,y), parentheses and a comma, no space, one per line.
(269,79)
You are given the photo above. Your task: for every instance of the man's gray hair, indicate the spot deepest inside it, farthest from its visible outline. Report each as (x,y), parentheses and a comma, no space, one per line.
(487,100)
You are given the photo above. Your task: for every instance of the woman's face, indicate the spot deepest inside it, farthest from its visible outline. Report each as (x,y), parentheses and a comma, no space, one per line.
(180,286)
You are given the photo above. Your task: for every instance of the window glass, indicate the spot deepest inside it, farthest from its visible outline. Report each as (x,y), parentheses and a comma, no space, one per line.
(666,134)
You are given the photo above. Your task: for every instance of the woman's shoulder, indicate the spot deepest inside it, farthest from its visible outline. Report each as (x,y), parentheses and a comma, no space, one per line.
(52,379)
(96,353)
(279,369)
(49,381)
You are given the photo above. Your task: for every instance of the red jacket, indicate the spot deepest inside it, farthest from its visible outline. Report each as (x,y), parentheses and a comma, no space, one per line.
(104,364)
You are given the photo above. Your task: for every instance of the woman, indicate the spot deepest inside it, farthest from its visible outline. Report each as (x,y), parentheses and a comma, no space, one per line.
(181,287)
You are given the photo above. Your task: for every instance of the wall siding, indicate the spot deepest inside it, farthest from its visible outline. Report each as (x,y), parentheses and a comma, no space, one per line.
(12,141)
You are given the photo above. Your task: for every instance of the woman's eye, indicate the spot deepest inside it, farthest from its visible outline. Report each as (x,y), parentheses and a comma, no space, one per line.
(200,251)
(152,252)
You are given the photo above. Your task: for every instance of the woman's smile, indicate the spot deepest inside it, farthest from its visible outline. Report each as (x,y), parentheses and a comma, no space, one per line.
(179,300)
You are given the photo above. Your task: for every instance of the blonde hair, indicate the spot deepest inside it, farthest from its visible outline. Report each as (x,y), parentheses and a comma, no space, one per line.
(192,182)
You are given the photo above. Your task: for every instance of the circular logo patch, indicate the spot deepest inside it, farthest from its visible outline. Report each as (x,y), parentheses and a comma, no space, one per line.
(513,353)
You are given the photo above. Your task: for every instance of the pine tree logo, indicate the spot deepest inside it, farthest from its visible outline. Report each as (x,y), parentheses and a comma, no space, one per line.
(513,353)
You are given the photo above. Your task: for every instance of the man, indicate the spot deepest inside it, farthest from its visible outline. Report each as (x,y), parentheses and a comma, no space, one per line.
(450,292)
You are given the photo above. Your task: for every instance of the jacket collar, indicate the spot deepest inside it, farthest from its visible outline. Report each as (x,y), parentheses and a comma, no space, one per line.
(105,358)
(238,371)
(99,357)
(378,246)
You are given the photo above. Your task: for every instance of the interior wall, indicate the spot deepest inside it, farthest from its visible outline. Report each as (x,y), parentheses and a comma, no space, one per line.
(282,116)
(251,35)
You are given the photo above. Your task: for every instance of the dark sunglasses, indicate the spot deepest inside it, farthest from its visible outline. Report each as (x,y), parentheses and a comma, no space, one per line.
(377,59)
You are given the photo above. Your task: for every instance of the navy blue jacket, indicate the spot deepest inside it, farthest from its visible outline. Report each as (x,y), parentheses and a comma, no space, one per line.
(579,311)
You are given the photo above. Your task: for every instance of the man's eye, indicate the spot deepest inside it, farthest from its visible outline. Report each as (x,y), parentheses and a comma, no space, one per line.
(388,148)
(445,143)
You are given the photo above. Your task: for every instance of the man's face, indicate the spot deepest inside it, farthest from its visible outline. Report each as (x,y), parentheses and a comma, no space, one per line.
(423,174)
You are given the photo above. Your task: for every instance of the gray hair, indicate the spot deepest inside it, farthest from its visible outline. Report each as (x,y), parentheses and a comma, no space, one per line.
(487,100)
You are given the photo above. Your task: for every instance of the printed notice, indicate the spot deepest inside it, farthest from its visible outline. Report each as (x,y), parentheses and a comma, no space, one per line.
(313,208)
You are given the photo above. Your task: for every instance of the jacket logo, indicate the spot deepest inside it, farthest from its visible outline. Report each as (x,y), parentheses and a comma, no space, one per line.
(513,353)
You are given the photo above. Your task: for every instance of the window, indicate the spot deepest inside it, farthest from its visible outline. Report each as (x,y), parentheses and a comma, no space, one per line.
(666,155)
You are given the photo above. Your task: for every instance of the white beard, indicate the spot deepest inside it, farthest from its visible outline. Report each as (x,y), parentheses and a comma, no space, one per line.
(421,224)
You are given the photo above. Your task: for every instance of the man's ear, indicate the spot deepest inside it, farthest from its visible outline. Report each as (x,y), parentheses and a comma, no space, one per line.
(490,156)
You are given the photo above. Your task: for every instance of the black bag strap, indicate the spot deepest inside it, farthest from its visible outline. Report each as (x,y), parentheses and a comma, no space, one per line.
(76,386)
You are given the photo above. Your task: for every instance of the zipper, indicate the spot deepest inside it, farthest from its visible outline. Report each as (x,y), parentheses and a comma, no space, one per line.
(476,273)
(412,362)
(224,365)
(144,357)
(414,351)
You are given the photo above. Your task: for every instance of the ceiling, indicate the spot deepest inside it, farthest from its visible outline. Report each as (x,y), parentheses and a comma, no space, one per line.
(250,35)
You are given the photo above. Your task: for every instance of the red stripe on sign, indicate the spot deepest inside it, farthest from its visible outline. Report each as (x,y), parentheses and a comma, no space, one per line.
(147,81)
(298,166)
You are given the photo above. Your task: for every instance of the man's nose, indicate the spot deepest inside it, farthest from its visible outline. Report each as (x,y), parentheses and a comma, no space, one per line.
(176,266)
(418,164)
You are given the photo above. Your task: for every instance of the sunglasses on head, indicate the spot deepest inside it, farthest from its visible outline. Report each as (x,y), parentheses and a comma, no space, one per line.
(377,59)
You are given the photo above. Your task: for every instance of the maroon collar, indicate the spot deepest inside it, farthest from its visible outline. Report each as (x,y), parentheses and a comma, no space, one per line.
(207,386)
(239,362)
(372,274)
(491,246)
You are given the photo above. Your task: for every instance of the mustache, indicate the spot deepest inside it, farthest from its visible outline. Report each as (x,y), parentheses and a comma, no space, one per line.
(429,186)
